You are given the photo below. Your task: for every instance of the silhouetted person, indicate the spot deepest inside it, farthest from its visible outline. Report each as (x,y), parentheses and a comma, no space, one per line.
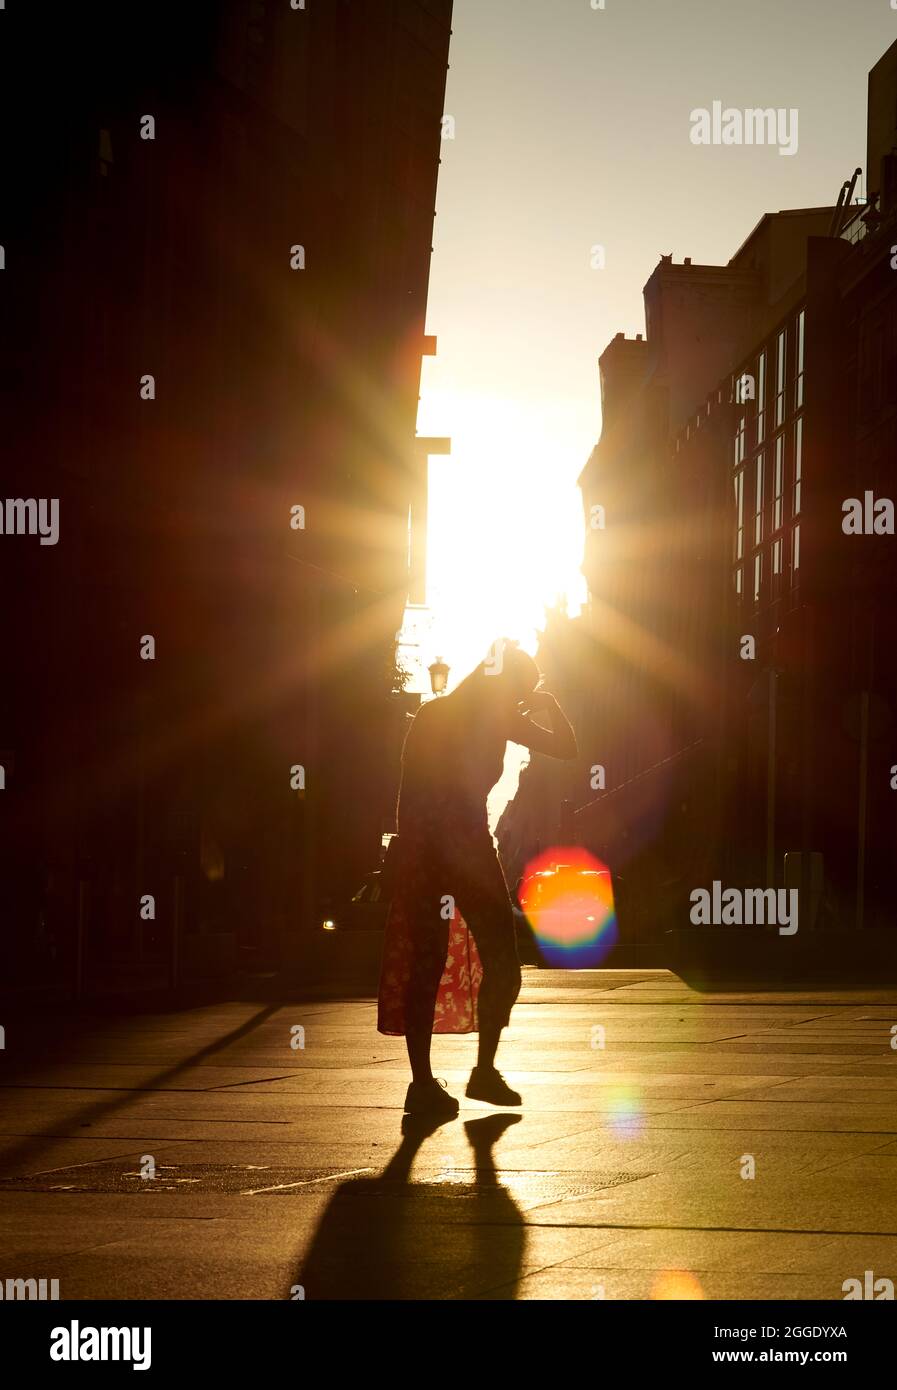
(448,877)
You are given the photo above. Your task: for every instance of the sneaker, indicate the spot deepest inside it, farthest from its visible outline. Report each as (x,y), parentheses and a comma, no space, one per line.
(488,1084)
(430,1098)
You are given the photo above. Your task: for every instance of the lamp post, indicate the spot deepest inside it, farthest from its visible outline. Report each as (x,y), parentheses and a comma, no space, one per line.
(439,674)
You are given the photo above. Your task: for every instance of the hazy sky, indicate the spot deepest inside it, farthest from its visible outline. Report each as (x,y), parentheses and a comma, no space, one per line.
(572,129)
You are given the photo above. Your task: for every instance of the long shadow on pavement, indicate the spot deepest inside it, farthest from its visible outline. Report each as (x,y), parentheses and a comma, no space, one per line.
(390,1238)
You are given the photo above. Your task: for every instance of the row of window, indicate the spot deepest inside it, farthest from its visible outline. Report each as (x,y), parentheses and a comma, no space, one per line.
(768,462)
(751,389)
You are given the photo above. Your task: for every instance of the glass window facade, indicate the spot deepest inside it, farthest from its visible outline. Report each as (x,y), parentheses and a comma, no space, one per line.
(768,467)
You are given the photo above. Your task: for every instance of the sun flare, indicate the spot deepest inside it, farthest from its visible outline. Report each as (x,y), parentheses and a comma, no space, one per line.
(506,530)
(505,538)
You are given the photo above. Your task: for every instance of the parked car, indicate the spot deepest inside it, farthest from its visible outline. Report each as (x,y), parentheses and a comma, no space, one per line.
(366,910)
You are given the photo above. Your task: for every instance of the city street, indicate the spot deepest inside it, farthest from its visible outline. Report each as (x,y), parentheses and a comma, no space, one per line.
(254,1150)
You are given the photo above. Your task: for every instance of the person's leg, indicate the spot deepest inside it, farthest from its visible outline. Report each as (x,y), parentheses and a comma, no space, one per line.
(418,1040)
(429,943)
(486,908)
(491,922)
(429,946)
(487,1046)
(415,958)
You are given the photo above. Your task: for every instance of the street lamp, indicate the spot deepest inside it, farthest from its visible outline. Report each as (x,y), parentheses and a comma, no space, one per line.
(439,674)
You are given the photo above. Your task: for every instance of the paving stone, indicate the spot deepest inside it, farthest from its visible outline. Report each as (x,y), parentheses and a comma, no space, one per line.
(621,1177)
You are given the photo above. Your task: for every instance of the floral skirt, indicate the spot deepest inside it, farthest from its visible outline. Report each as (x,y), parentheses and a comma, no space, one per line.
(433,959)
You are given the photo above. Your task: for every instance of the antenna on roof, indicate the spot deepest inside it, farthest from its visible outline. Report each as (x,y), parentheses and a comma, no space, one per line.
(839,215)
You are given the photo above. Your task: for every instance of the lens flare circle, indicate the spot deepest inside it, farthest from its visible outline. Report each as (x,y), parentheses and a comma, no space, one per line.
(679,1285)
(568,899)
(625,1117)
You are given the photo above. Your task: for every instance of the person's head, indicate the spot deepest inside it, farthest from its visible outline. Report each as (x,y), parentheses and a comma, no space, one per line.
(507,675)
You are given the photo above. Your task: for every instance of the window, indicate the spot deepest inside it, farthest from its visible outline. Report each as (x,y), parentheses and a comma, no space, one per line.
(740,442)
(799,365)
(777,556)
(761,398)
(758,576)
(795,549)
(758,503)
(739,507)
(781,351)
(798,455)
(778,497)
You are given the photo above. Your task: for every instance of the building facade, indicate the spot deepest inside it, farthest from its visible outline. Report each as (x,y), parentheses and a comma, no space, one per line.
(741,694)
(216,257)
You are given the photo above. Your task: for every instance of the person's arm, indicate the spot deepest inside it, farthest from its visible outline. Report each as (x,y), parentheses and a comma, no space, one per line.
(558,742)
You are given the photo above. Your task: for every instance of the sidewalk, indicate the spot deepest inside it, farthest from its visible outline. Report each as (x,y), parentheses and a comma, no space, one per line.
(644,1104)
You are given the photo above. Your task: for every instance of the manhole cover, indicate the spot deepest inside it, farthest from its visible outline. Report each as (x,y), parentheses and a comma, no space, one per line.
(246,1180)
(527,1186)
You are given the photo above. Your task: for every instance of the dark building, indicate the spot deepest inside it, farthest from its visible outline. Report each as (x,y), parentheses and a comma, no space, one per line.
(741,686)
(216,233)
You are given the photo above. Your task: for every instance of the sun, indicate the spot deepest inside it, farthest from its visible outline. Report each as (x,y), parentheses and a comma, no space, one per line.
(505,535)
(506,529)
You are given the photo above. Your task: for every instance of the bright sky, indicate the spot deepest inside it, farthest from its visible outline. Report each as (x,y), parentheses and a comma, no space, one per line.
(572,131)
